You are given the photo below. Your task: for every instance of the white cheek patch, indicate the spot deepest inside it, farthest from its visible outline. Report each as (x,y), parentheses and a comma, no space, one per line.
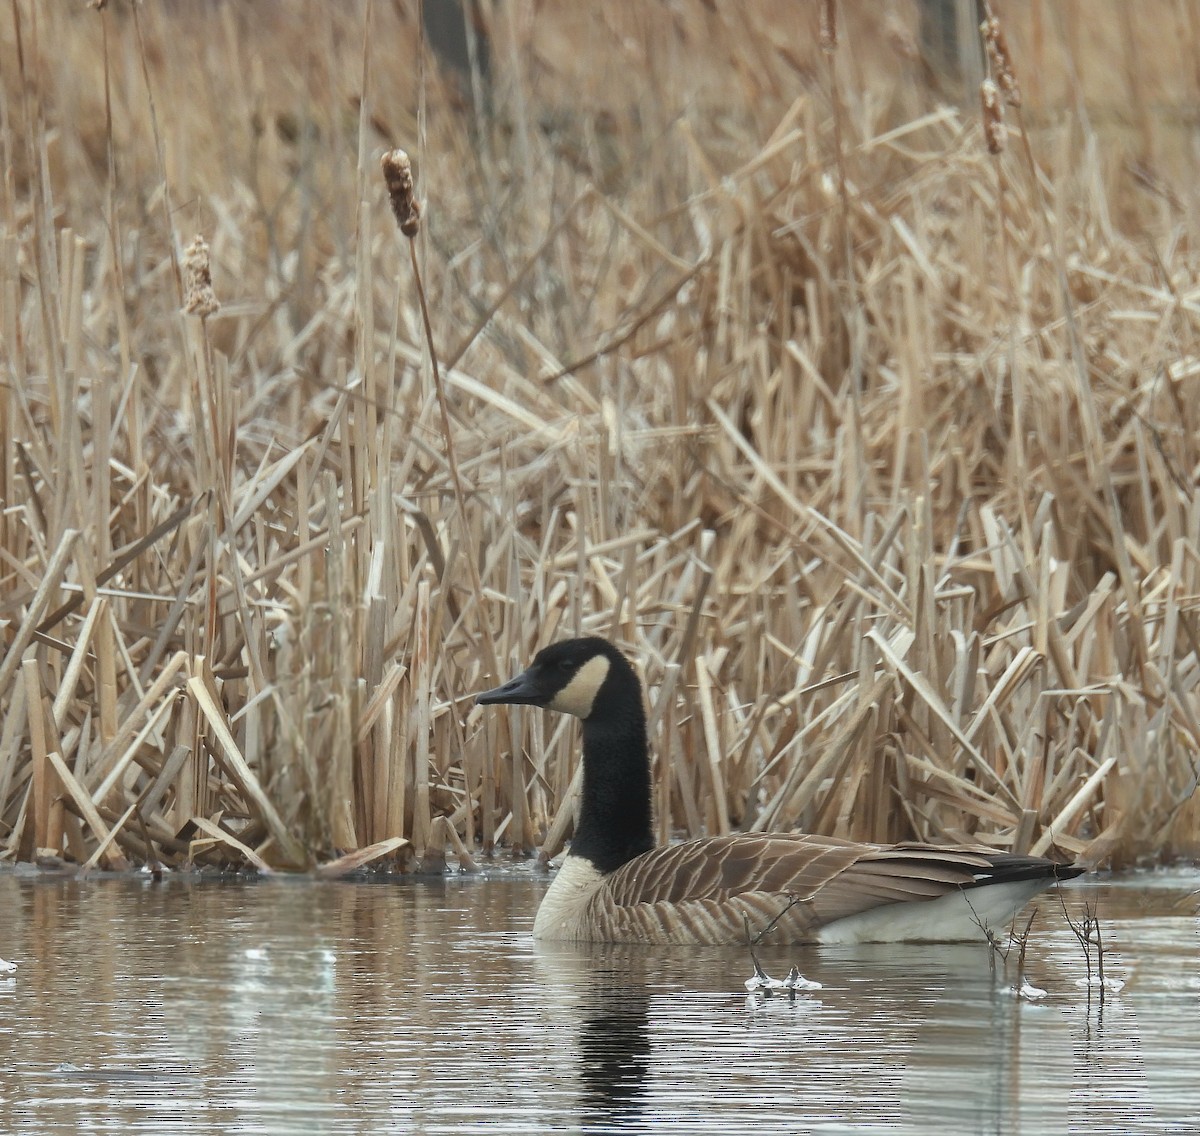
(579,695)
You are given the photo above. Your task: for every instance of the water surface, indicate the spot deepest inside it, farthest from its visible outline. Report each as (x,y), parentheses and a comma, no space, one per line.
(294,1006)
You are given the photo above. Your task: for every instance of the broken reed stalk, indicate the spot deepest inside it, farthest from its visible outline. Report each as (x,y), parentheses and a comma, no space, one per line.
(1087,932)
(1022,944)
(918,609)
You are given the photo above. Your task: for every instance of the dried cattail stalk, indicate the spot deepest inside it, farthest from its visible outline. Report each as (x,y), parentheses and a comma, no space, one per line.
(397,173)
(199,297)
(993,116)
(829,36)
(1000,59)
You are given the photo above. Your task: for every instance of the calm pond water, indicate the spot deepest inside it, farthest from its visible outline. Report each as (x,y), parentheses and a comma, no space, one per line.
(294,1006)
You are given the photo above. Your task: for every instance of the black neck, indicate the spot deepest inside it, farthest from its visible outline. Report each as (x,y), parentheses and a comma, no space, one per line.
(614,811)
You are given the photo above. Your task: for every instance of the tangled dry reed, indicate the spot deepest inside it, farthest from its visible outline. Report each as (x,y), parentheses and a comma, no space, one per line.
(875,448)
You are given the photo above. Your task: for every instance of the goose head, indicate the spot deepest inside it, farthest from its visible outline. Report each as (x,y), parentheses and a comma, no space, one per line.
(582,677)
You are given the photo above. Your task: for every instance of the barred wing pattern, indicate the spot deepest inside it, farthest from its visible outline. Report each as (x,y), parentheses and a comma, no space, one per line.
(714,890)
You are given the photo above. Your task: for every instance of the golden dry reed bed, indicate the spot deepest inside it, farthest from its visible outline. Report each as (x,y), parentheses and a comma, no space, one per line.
(878,450)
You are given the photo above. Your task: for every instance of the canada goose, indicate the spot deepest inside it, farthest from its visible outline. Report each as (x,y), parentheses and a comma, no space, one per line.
(615,886)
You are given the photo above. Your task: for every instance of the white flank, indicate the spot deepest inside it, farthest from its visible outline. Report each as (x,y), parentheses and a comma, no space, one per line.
(960,917)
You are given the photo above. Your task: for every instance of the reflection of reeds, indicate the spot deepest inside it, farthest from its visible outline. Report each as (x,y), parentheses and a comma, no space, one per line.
(886,480)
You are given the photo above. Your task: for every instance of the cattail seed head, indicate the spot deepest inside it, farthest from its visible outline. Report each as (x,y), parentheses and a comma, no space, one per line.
(1000,59)
(900,38)
(397,174)
(993,116)
(828,25)
(199,298)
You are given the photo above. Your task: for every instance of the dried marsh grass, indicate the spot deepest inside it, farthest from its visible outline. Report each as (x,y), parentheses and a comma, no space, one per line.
(877,450)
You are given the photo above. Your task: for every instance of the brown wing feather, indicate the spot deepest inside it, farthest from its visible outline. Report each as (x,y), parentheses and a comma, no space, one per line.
(718,868)
(707,889)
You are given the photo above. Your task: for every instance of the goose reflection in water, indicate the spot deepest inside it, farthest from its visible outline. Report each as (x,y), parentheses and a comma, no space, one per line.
(606,992)
(614,1051)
